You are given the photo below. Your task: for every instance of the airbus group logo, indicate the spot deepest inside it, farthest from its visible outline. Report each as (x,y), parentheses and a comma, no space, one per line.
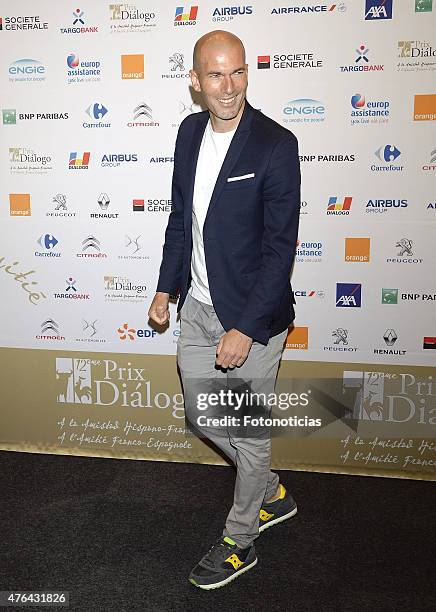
(348,295)
(304,110)
(376,10)
(387,154)
(228,13)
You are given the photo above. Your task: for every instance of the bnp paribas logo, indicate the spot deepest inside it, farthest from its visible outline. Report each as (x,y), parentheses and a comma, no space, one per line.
(389,296)
(9,116)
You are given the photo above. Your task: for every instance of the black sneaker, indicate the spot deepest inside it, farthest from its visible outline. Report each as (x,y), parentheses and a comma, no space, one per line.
(277,511)
(224,562)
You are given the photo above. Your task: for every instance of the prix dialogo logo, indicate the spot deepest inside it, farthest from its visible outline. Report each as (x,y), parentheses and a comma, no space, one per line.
(127,17)
(416,55)
(348,295)
(186,16)
(369,111)
(304,110)
(376,10)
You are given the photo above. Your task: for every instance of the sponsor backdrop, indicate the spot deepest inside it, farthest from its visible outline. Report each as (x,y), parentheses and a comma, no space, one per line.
(91,99)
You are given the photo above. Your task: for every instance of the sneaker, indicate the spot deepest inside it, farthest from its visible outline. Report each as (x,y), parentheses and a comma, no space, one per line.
(224,562)
(277,511)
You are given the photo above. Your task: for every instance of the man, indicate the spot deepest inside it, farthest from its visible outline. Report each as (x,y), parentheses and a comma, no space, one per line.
(229,248)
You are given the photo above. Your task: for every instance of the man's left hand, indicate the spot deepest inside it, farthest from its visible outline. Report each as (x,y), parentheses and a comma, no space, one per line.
(233,349)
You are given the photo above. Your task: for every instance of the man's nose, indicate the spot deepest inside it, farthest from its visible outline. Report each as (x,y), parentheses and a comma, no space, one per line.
(228,84)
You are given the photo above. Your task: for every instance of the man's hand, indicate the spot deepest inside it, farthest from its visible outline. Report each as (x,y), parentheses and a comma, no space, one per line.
(159,311)
(233,349)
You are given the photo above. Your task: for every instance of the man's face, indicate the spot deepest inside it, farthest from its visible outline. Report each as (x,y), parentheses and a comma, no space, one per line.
(221,77)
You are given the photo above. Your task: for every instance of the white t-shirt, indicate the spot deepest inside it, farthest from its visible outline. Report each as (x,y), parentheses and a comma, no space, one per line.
(213,150)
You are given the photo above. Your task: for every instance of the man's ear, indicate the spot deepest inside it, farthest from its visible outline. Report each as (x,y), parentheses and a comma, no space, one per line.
(195,82)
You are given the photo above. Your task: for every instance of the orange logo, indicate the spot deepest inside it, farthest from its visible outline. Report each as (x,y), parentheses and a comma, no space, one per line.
(357,249)
(19,204)
(298,338)
(425,107)
(132,66)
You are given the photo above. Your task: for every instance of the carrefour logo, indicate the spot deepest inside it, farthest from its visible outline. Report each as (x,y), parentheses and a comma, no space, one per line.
(304,110)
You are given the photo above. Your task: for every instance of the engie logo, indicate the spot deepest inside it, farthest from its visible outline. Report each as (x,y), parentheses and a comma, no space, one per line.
(304,110)
(378,9)
(348,295)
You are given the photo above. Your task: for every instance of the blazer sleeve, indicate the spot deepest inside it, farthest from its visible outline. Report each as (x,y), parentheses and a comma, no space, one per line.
(170,273)
(281,195)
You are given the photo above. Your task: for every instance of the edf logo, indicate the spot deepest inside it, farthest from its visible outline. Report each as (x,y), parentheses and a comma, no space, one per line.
(348,295)
(378,9)
(129,333)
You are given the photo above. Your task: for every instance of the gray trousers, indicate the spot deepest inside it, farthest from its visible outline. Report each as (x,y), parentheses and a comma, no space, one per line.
(200,333)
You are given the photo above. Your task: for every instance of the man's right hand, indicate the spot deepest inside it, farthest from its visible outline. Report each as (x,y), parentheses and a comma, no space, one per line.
(159,311)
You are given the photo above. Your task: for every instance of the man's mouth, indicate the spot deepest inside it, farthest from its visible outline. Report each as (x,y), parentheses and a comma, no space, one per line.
(227,101)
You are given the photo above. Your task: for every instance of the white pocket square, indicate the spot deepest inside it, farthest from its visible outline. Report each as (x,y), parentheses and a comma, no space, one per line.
(240,178)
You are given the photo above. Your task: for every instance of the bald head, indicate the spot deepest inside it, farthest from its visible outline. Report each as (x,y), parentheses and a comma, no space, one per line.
(213,43)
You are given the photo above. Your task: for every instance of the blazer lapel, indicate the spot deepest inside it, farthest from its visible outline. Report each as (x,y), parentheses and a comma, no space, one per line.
(192,158)
(235,149)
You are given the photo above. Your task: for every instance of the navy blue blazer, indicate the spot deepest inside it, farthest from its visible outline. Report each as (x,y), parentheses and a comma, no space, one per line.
(250,230)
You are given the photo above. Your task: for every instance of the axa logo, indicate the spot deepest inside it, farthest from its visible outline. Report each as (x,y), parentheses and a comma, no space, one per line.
(348,295)
(378,9)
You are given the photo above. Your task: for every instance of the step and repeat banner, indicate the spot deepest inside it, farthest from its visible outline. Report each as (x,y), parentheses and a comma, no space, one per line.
(91,100)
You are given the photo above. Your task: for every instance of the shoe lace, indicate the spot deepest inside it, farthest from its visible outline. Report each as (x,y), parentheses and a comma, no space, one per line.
(217,553)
